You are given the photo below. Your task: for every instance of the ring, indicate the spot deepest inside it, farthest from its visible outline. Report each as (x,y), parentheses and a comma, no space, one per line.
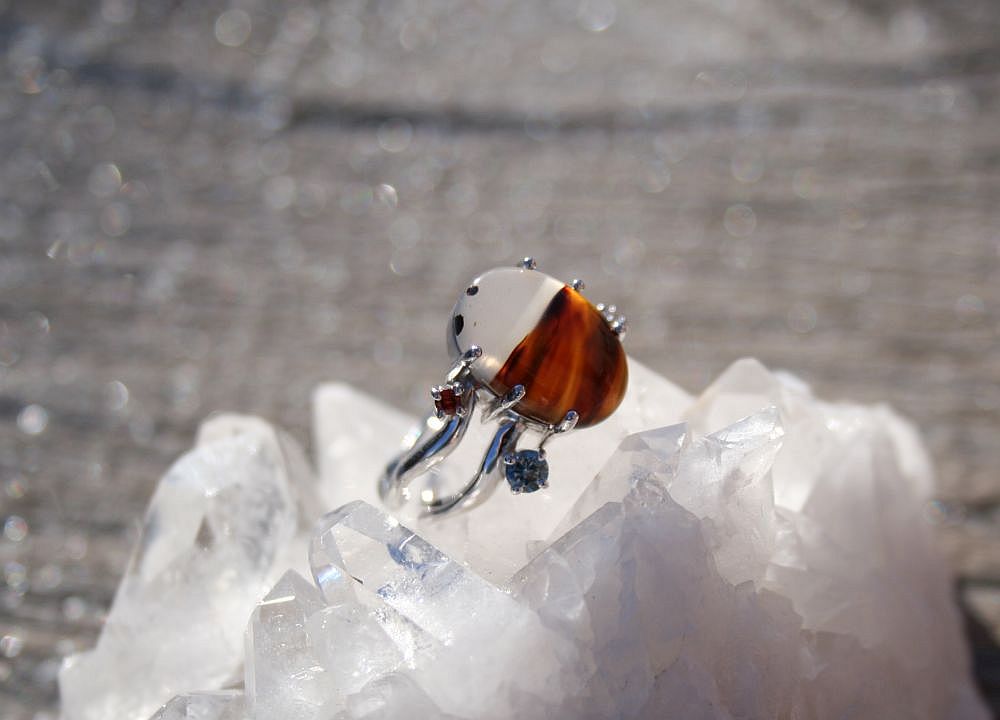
(539,357)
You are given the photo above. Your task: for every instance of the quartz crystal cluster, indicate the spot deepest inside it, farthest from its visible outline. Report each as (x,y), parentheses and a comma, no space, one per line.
(750,553)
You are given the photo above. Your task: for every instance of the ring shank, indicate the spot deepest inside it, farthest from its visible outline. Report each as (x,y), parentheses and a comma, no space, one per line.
(434,444)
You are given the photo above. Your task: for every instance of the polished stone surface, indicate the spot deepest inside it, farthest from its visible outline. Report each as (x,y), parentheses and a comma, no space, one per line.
(539,333)
(496,312)
(570,361)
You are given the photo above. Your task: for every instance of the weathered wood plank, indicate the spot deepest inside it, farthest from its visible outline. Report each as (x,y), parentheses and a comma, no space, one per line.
(816,184)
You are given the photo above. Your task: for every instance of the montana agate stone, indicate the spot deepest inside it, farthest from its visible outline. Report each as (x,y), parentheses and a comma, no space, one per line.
(538,332)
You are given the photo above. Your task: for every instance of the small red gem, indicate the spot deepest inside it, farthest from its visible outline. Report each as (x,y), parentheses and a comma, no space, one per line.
(448,402)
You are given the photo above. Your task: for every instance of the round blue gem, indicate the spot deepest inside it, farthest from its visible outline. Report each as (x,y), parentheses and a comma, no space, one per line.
(528,472)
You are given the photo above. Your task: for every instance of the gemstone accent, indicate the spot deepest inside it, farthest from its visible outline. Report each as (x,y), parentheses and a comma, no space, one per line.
(527,471)
(447,400)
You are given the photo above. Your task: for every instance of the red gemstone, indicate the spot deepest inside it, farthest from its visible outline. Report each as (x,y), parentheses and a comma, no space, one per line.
(446,400)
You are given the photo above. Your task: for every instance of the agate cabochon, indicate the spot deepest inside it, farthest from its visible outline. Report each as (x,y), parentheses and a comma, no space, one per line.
(539,332)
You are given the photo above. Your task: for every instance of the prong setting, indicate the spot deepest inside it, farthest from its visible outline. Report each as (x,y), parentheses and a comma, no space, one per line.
(568,422)
(528,263)
(449,400)
(578,284)
(463,363)
(615,320)
(501,405)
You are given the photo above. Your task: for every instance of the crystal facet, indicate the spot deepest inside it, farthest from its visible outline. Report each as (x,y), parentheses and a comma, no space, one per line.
(215,533)
(527,471)
(220,705)
(283,678)
(766,559)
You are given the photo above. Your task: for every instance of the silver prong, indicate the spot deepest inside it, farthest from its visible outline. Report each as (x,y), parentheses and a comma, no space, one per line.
(509,459)
(568,422)
(600,307)
(620,326)
(436,392)
(514,396)
(462,364)
(528,263)
(502,405)
(578,284)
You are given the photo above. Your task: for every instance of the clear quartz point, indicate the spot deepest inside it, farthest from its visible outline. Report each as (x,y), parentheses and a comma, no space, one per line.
(305,658)
(282,671)
(475,626)
(406,572)
(212,542)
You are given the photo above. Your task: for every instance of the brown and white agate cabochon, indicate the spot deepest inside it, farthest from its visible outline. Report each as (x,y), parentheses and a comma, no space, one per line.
(538,332)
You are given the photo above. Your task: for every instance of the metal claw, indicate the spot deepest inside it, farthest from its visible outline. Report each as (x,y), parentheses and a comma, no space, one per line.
(578,284)
(528,263)
(568,422)
(435,396)
(619,326)
(502,405)
(462,364)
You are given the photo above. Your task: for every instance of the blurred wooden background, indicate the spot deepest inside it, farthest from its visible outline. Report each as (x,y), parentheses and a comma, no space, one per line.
(208,205)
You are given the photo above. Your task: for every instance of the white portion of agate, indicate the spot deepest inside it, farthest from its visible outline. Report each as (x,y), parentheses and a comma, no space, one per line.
(507,306)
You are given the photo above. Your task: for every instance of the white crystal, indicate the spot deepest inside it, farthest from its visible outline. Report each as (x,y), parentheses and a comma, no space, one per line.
(768,558)
(473,624)
(221,705)
(217,528)
(766,561)
(283,676)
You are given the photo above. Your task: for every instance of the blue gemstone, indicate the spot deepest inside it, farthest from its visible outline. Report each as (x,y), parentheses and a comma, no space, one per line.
(529,472)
